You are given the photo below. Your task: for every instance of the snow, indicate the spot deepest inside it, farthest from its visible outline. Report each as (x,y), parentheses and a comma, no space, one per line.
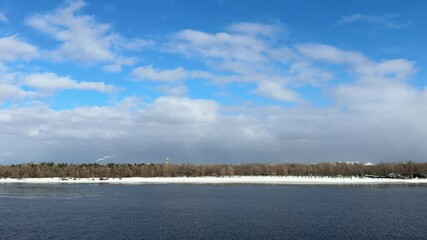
(288,180)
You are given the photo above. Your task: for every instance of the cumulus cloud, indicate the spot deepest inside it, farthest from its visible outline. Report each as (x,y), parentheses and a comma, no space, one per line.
(188,129)
(179,110)
(395,69)
(277,91)
(151,74)
(375,116)
(331,54)
(379,95)
(19,87)
(52,82)
(379,100)
(248,52)
(49,129)
(12,48)
(10,92)
(82,38)
(385,125)
(221,45)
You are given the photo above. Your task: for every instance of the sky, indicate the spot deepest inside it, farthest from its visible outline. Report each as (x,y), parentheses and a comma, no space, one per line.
(213,81)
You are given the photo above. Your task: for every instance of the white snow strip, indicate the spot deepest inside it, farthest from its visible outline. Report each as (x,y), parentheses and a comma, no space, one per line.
(288,180)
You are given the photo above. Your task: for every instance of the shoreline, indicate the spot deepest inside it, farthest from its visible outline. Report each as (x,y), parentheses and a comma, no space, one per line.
(276,180)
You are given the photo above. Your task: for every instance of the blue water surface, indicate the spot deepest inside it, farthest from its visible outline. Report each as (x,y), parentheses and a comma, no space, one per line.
(175,211)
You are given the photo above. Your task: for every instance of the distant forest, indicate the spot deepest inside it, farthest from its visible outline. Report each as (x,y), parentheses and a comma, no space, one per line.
(116,170)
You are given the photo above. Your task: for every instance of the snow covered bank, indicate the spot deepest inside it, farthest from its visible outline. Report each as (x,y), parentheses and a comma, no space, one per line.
(224,180)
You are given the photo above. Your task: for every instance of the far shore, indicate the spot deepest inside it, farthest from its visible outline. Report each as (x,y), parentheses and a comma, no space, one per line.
(279,180)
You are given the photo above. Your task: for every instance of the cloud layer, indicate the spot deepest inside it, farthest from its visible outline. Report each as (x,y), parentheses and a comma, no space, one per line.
(373,112)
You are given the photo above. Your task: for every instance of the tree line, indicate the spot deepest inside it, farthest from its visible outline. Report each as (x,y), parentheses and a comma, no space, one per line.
(119,170)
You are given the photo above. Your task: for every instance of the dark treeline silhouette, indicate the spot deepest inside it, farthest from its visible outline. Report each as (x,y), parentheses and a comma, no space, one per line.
(116,170)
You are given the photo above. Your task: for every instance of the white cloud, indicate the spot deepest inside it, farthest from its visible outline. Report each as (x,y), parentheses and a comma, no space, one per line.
(83,39)
(195,130)
(331,54)
(243,54)
(81,36)
(254,28)
(223,45)
(3,18)
(386,97)
(277,91)
(12,48)
(20,87)
(396,70)
(307,74)
(173,90)
(249,52)
(179,110)
(9,92)
(367,69)
(117,65)
(151,74)
(97,114)
(386,20)
(376,117)
(52,82)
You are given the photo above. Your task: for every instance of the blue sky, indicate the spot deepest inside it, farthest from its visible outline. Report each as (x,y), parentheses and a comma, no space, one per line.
(212,81)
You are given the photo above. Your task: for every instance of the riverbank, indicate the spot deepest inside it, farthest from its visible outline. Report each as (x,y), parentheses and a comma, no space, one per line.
(285,180)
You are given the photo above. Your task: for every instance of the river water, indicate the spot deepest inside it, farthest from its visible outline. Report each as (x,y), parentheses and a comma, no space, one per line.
(177,211)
